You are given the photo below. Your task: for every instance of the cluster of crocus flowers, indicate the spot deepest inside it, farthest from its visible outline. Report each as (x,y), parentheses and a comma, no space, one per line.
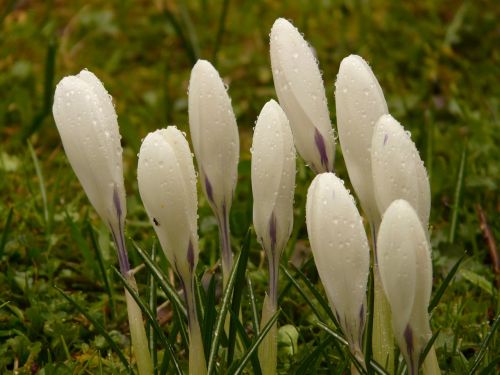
(273,186)
(215,138)
(167,184)
(88,126)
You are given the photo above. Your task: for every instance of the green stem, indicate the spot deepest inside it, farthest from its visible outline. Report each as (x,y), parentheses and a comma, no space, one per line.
(431,365)
(383,336)
(268,348)
(197,362)
(137,331)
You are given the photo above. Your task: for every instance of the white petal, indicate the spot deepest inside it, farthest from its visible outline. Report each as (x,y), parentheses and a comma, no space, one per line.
(340,249)
(398,171)
(359,102)
(167,185)
(273,176)
(88,127)
(396,261)
(301,94)
(214,134)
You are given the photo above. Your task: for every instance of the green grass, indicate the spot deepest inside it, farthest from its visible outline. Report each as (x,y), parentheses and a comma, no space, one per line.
(438,64)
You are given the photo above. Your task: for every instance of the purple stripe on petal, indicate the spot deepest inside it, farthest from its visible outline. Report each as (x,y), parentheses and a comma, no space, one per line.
(408,335)
(320,145)
(209,190)
(117,203)
(272,231)
(386,137)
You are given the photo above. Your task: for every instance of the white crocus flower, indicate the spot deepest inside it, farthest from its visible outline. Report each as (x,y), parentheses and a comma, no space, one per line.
(398,171)
(341,253)
(273,185)
(214,134)
(301,94)
(405,268)
(88,126)
(167,185)
(359,102)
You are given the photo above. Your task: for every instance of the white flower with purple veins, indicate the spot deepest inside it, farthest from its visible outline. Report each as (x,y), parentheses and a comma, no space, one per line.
(301,94)
(273,185)
(88,126)
(341,253)
(215,138)
(359,102)
(405,267)
(167,185)
(398,171)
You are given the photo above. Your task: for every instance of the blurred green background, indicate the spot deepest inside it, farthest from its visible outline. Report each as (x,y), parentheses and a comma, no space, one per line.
(438,63)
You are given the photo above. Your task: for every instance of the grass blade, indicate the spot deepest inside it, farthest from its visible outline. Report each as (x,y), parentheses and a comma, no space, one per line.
(80,242)
(219,326)
(343,341)
(151,319)
(253,306)
(153,307)
(312,358)
(428,347)
(322,301)
(255,345)
(369,317)
(457,199)
(162,280)
(237,294)
(102,268)
(442,288)
(191,52)
(302,293)
(98,326)
(6,231)
(209,317)
(41,183)
(220,29)
(484,345)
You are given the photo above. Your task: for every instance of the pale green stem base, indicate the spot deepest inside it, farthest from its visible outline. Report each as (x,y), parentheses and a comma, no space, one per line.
(137,331)
(431,365)
(383,336)
(268,348)
(197,363)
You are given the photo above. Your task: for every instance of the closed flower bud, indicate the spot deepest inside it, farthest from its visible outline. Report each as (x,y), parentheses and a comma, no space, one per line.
(360,102)
(301,94)
(398,171)
(167,184)
(273,179)
(88,126)
(341,253)
(214,134)
(405,268)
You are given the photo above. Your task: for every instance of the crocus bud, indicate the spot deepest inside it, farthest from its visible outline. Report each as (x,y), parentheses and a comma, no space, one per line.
(360,102)
(167,185)
(398,171)
(301,94)
(273,179)
(405,268)
(88,126)
(341,253)
(214,134)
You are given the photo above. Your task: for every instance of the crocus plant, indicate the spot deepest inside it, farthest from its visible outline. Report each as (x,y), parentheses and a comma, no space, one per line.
(360,102)
(167,185)
(341,253)
(214,134)
(88,126)
(273,185)
(301,94)
(406,271)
